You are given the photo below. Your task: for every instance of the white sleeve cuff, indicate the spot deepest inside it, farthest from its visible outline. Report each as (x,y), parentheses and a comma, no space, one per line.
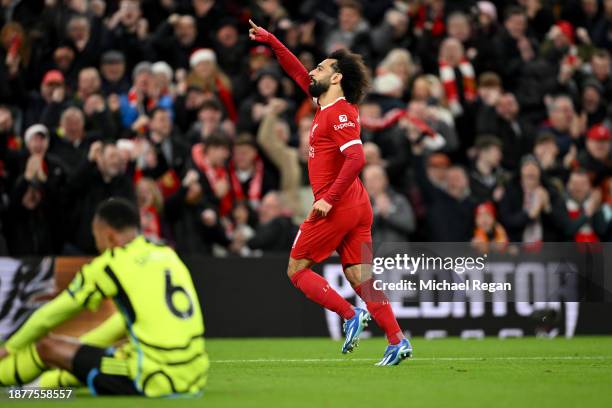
(349,144)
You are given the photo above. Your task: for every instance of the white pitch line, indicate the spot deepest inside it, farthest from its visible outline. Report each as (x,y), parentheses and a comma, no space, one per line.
(332,360)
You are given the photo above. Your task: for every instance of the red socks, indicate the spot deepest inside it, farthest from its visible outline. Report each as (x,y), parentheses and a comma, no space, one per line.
(380,309)
(316,288)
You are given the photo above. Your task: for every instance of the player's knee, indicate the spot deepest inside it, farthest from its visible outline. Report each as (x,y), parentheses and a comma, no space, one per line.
(355,275)
(44,348)
(291,269)
(296,265)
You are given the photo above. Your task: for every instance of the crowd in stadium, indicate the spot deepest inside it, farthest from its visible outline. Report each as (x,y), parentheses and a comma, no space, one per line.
(487,121)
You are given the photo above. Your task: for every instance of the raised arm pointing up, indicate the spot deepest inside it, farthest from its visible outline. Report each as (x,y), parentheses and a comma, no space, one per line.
(291,65)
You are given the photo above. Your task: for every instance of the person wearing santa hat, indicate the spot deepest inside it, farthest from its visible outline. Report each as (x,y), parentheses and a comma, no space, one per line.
(206,74)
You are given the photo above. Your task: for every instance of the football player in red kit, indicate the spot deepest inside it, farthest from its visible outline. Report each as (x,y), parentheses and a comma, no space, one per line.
(341,217)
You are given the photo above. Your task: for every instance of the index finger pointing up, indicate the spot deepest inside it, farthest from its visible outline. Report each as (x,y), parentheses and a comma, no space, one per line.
(253,24)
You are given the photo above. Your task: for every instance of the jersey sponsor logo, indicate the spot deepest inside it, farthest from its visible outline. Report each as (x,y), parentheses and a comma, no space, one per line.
(343,118)
(344,125)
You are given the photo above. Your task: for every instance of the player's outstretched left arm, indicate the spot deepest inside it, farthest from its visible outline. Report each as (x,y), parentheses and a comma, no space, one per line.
(45,319)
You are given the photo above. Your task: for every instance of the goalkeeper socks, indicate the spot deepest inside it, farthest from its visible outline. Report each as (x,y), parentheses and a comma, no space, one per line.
(317,289)
(21,367)
(380,309)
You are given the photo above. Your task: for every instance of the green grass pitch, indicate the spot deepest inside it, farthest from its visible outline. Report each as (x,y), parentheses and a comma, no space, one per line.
(455,373)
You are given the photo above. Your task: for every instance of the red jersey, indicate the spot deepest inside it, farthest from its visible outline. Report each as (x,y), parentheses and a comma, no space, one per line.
(335,128)
(336,155)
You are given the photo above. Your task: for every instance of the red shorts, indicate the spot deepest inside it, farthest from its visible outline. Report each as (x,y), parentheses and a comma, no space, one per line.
(348,231)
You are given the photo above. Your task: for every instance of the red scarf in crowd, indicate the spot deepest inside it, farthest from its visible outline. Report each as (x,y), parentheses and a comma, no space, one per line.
(168,183)
(225,95)
(213,175)
(424,15)
(585,233)
(150,223)
(255,185)
(447,75)
(133,100)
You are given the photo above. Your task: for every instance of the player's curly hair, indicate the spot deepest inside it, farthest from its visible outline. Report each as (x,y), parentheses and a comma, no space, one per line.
(355,77)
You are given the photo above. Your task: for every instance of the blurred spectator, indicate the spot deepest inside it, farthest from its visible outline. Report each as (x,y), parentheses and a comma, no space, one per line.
(99,177)
(502,120)
(486,175)
(489,235)
(128,33)
(513,45)
(393,216)
(564,123)
(539,17)
(163,76)
(89,84)
(583,205)
(389,90)
(275,232)
(170,152)
(250,178)
(392,144)
(531,212)
(71,143)
(85,36)
(142,98)
(391,34)
(582,13)
(186,106)
(273,138)
(196,211)
(231,48)
(175,40)
(485,34)
(150,205)
(554,167)
(113,69)
(450,208)
(210,158)
(425,122)
(592,102)
(268,89)
(210,121)
(597,158)
(206,74)
(457,76)
(606,210)
(428,89)
(399,62)
(600,67)
(35,225)
(601,29)
(14,55)
(351,31)
(52,91)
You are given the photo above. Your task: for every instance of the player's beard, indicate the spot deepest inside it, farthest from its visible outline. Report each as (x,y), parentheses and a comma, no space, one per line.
(318,88)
